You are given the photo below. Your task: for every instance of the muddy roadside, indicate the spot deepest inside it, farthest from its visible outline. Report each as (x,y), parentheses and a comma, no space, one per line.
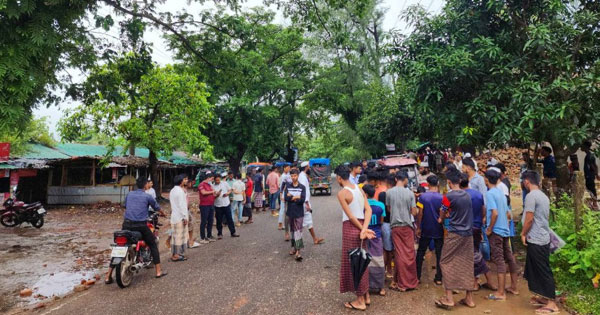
(68,254)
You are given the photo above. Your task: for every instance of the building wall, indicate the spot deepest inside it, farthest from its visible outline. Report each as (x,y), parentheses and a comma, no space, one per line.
(77,195)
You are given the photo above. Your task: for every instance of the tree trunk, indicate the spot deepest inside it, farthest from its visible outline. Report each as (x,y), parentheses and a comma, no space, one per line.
(578,192)
(153,160)
(561,154)
(132,149)
(234,164)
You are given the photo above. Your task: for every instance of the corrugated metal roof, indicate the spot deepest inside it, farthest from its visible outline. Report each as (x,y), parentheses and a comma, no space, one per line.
(39,151)
(5,166)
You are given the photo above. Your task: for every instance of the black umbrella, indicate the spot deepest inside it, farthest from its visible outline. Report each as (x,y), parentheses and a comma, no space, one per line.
(359,261)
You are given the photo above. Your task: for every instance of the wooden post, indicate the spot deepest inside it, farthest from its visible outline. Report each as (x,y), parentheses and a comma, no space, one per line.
(63,176)
(578,193)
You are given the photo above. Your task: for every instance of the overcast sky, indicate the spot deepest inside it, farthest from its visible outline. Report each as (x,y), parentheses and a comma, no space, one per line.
(162,56)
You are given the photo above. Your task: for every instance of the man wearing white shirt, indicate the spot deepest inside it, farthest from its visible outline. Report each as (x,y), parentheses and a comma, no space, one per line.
(308,221)
(222,207)
(179,218)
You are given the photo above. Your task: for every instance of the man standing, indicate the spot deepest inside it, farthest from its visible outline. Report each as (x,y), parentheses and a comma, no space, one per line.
(590,168)
(356,170)
(258,190)
(207,207)
(355,228)
(536,237)
(401,202)
(457,256)
(179,218)
(273,184)
(424,172)
(249,192)
(222,207)
(295,195)
(429,228)
(239,198)
(475,180)
(286,179)
(150,190)
(136,217)
(308,220)
(549,169)
(498,232)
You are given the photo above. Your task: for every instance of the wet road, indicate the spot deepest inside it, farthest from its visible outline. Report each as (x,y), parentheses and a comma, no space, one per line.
(254,274)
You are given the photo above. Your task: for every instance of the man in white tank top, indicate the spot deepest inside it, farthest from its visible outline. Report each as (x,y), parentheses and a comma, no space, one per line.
(355,228)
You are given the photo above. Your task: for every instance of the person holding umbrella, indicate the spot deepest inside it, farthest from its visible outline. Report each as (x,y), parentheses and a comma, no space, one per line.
(354,278)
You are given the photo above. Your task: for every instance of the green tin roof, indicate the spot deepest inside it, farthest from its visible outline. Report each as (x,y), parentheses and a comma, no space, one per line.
(39,151)
(4,166)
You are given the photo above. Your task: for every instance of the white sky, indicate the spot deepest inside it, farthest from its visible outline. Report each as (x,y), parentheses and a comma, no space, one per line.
(162,56)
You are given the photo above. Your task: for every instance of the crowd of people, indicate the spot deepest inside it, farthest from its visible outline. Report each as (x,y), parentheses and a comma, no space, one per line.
(451,214)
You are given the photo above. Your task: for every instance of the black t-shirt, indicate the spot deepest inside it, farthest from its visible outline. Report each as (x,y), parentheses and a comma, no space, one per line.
(506,182)
(588,169)
(381,198)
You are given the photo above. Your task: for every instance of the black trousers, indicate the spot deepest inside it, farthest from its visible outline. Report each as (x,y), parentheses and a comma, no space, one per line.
(207,213)
(423,246)
(147,236)
(590,184)
(224,213)
(538,271)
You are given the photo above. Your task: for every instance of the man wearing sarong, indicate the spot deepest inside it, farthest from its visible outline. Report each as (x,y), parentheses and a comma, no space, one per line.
(402,207)
(536,237)
(498,232)
(355,228)
(295,195)
(479,265)
(375,248)
(457,253)
(179,218)
(429,229)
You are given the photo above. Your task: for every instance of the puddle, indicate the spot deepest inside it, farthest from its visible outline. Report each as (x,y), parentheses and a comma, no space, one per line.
(60,283)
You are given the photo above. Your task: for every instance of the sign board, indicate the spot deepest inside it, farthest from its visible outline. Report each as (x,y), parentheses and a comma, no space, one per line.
(14,178)
(4,151)
(390,147)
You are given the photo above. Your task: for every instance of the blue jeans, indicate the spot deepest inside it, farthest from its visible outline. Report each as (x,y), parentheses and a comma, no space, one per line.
(273,198)
(207,214)
(239,206)
(282,213)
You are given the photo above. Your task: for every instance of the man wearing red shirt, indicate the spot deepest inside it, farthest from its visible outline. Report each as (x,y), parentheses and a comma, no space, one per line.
(249,191)
(207,208)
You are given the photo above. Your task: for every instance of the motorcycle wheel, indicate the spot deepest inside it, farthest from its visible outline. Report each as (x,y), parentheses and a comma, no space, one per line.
(38,221)
(123,274)
(9,220)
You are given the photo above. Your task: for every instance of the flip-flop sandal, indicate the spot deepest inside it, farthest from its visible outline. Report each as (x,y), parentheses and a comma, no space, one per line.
(511,291)
(546,310)
(492,297)
(382,293)
(437,282)
(181,258)
(464,302)
(443,306)
(299,258)
(162,275)
(487,286)
(350,306)
(319,242)
(292,253)
(109,281)
(397,289)
(536,302)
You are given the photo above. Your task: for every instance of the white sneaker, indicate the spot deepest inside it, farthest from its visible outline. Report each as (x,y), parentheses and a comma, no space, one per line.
(196,244)
(204,242)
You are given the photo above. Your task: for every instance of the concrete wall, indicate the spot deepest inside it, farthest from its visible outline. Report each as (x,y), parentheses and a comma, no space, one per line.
(77,195)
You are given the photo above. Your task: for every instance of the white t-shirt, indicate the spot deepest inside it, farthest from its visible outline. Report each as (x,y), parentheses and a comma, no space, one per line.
(221,201)
(241,187)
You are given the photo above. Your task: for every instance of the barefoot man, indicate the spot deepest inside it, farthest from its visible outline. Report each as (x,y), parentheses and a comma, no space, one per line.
(354,229)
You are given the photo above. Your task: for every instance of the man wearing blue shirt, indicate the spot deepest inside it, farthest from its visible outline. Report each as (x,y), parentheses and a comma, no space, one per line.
(136,216)
(428,227)
(498,231)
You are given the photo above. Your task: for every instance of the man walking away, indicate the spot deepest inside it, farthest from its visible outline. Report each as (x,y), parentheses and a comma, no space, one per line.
(179,218)
(136,217)
(536,237)
(457,256)
(207,207)
(258,190)
(590,168)
(401,202)
(239,197)
(222,208)
(375,248)
(273,184)
(295,195)
(308,219)
(498,232)
(429,228)
(355,228)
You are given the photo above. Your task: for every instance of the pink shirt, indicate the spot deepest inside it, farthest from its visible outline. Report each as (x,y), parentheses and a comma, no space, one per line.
(273,182)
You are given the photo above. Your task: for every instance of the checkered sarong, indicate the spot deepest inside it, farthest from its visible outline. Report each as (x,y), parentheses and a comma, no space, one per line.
(457,262)
(351,240)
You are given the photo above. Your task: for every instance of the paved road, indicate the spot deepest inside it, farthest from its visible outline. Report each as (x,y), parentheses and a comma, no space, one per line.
(254,274)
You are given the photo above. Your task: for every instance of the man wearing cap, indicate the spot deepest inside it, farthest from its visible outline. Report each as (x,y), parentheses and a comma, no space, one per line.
(424,172)
(308,221)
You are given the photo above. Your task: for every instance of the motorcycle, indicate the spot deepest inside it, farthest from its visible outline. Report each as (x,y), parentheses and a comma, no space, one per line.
(130,253)
(16,212)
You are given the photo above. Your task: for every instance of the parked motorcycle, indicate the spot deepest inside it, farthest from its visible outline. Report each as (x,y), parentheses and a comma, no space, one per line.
(16,212)
(130,253)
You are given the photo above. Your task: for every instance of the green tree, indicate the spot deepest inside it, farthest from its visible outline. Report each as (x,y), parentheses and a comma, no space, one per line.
(167,115)
(35,131)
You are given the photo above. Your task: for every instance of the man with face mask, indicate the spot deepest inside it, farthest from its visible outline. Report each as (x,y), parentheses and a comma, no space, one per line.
(308,221)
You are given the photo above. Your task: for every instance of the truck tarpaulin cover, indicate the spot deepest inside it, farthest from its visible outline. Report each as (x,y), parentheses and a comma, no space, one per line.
(320,171)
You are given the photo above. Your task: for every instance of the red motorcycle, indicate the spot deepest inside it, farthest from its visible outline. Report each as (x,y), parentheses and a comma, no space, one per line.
(130,253)
(16,212)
